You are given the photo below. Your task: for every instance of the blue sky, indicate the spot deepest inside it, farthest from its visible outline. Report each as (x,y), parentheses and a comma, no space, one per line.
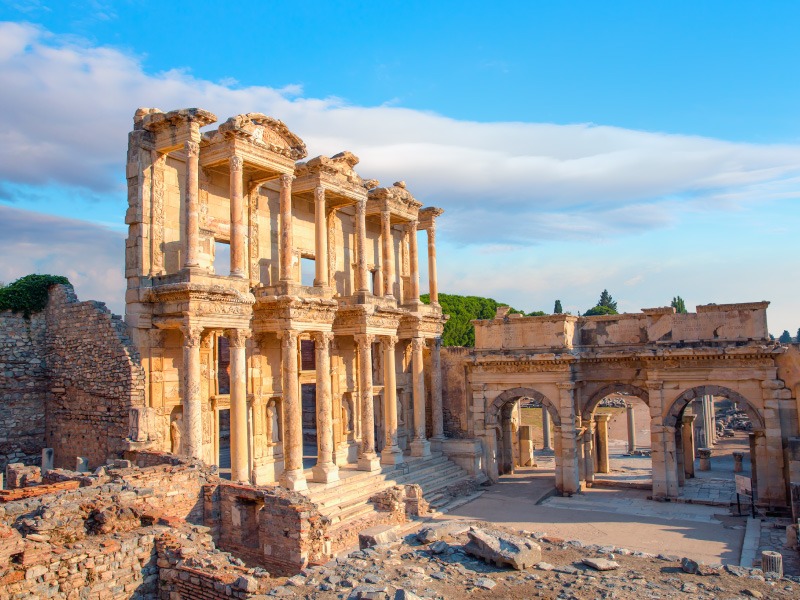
(651,148)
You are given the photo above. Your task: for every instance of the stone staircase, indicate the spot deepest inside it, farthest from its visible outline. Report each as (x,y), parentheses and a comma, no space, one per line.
(348,499)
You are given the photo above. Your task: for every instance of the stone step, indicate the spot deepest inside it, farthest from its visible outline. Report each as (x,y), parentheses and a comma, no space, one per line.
(354,512)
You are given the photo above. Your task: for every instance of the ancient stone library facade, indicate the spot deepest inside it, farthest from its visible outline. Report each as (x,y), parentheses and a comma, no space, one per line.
(311,335)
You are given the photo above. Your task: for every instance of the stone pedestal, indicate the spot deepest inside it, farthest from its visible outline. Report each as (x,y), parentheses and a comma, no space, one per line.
(526,457)
(737,462)
(47,459)
(81,464)
(705,459)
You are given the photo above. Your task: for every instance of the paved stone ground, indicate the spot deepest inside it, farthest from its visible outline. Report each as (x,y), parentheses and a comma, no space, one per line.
(773,537)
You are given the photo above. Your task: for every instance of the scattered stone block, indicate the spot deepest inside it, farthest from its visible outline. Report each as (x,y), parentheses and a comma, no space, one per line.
(601,564)
(402,594)
(485,583)
(21,476)
(375,536)
(81,464)
(503,549)
(689,566)
(369,592)
(48,455)
(772,562)
(438,547)
(427,535)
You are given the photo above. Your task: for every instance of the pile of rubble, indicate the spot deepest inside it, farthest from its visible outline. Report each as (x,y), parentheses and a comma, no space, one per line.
(456,558)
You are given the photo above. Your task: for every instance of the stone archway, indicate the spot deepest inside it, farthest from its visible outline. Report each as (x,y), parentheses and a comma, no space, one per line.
(680,403)
(613,388)
(497,419)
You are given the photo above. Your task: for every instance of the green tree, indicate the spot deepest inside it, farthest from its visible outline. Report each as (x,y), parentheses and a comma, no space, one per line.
(797,339)
(557,310)
(605,306)
(28,294)
(459,331)
(786,337)
(679,305)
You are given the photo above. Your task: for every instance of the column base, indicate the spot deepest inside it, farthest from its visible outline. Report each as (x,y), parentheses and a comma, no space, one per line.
(294,480)
(392,455)
(420,448)
(369,462)
(325,473)
(437,442)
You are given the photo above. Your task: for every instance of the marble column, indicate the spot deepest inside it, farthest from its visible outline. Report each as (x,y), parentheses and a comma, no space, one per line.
(420,446)
(589,451)
(320,238)
(237,216)
(567,443)
(413,258)
(631,427)
(708,420)
(325,471)
(546,441)
(387,250)
(391,454)
(239,440)
(437,412)
(368,459)
(192,444)
(601,427)
(433,285)
(287,242)
(292,477)
(687,439)
(362,286)
(192,208)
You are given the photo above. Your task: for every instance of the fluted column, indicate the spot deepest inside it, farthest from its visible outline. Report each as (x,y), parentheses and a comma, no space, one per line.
(292,476)
(437,412)
(320,238)
(601,428)
(413,256)
(192,216)
(391,454)
(237,216)
(368,459)
(192,404)
(325,471)
(546,442)
(433,284)
(420,446)
(388,253)
(287,242)
(237,339)
(361,246)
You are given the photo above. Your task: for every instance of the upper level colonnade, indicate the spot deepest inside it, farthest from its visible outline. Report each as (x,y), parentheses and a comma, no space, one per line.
(243,185)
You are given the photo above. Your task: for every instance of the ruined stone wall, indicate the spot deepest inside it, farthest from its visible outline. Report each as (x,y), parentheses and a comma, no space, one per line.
(272,527)
(455,392)
(23,388)
(95,379)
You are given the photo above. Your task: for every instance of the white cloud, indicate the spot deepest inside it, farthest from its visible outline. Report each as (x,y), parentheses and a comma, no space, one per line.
(66,108)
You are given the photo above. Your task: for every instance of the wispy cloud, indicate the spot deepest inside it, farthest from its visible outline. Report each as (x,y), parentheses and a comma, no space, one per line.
(66,108)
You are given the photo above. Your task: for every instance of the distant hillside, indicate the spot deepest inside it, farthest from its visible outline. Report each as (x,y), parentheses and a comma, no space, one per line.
(458,331)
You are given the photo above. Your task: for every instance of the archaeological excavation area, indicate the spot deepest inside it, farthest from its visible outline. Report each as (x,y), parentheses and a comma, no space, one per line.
(278,392)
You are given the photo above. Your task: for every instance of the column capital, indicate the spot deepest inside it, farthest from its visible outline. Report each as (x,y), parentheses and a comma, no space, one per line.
(361,204)
(286,180)
(412,225)
(566,385)
(364,339)
(236,163)
(389,341)
(192,148)
(237,338)
(191,334)
(319,194)
(323,337)
(688,418)
(418,344)
(288,338)
(602,418)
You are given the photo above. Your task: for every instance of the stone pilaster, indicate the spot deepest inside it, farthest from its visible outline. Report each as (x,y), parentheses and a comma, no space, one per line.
(387,250)
(325,471)
(368,459)
(391,454)
(287,239)
(192,214)
(601,447)
(657,438)
(292,477)
(192,445)
(420,446)
(237,339)
(320,238)
(361,246)
(237,216)
(566,442)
